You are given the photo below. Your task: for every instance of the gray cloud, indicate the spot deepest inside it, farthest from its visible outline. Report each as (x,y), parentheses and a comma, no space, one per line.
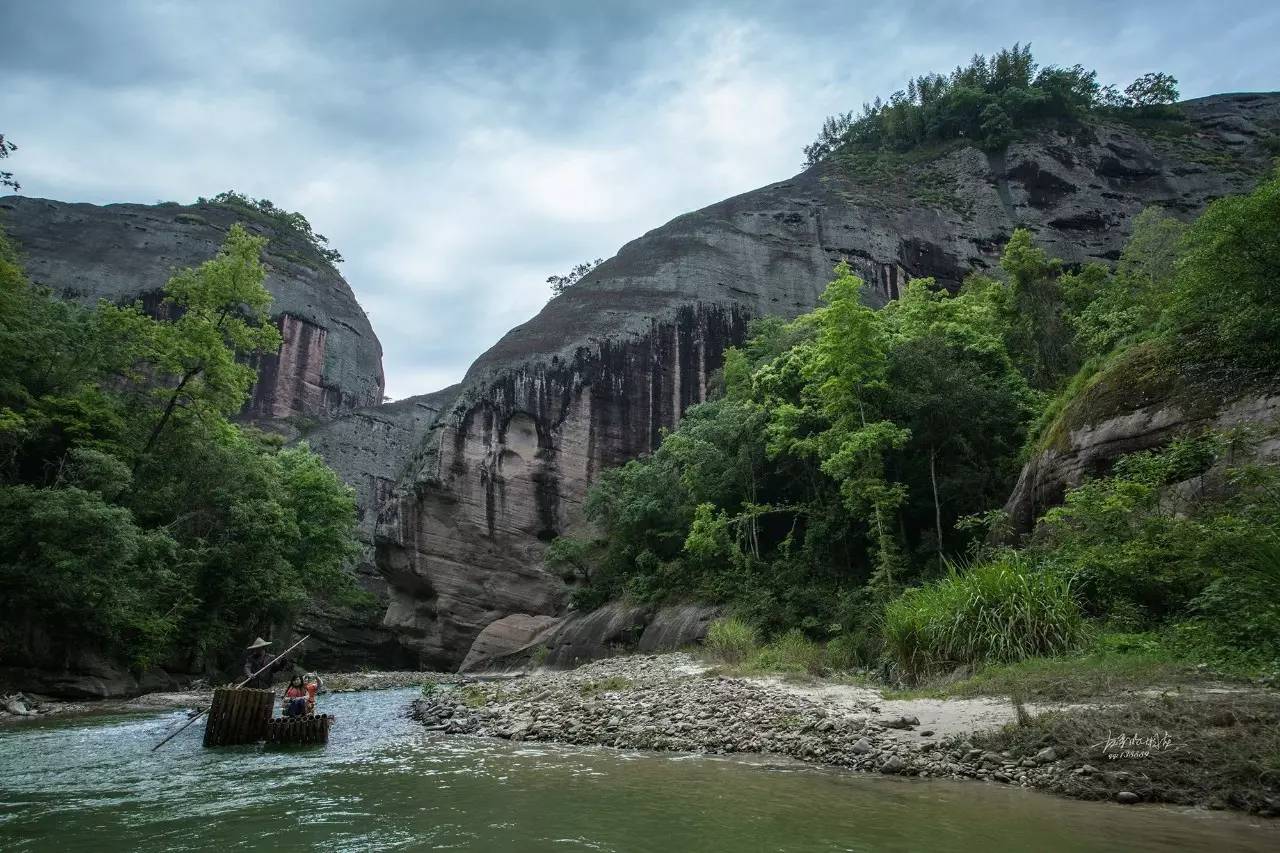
(457,154)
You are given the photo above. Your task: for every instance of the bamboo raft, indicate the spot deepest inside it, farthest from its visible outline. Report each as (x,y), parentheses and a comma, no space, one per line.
(313,728)
(240,715)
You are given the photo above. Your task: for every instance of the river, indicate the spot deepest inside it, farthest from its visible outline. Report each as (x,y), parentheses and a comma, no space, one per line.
(383,783)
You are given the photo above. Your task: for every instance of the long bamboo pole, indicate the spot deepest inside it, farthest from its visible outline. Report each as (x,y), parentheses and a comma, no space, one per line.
(238,686)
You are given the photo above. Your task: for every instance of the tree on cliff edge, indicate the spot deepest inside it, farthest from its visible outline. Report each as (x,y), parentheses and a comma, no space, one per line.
(6,178)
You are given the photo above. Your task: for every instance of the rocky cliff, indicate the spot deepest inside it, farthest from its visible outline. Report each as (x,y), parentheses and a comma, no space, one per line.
(369,449)
(330,362)
(595,377)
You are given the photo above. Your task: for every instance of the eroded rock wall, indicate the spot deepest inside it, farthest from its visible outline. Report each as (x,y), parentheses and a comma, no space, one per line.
(1091,448)
(504,472)
(369,448)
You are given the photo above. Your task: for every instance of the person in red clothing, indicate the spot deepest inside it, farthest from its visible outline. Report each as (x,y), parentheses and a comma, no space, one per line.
(295,698)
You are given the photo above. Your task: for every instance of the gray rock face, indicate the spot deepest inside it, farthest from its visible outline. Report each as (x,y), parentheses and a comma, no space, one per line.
(595,376)
(504,637)
(369,449)
(521,640)
(330,362)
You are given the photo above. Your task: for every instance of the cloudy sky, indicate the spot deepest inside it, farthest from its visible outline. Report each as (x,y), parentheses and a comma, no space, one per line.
(459,153)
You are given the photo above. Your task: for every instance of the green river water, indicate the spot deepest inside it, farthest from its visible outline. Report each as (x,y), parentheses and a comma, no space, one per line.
(383,783)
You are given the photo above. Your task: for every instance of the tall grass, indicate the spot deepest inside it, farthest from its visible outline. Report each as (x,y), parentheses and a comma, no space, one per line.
(731,640)
(790,652)
(997,612)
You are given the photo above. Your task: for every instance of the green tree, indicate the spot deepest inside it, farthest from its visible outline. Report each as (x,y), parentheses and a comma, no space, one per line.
(1154,89)
(1224,301)
(223,306)
(6,178)
(953,386)
(137,517)
(1039,331)
(1121,306)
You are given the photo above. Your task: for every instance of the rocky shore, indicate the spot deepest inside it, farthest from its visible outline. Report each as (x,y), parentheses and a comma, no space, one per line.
(670,702)
(673,702)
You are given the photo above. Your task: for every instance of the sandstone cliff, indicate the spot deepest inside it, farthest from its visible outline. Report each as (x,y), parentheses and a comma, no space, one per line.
(369,449)
(596,376)
(330,362)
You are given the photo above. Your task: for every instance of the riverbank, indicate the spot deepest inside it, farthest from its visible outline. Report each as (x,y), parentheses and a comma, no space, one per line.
(1195,748)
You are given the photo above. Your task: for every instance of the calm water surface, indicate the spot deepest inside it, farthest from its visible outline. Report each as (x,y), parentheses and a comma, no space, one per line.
(385,784)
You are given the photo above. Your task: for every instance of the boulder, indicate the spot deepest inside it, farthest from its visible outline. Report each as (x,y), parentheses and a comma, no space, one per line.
(523,640)
(504,636)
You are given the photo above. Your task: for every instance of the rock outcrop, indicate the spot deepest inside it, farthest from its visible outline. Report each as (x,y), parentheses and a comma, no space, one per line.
(330,362)
(594,378)
(1125,411)
(519,641)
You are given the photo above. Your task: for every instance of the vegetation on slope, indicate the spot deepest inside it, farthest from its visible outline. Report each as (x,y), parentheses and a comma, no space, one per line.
(135,517)
(844,481)
(288,221)
(987,102)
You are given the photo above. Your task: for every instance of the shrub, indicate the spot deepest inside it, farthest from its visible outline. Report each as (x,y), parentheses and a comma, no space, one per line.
(843,653)
(791,652)
(731,640)
(999,612)
(612,684)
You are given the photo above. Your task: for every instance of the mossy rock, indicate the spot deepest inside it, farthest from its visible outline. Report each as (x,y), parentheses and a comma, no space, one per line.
(1144,375)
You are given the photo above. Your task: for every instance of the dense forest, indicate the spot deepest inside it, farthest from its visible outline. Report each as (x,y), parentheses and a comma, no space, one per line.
(988,103)
(137,517)
(844,485)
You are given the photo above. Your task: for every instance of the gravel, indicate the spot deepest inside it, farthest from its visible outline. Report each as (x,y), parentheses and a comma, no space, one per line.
(664,702)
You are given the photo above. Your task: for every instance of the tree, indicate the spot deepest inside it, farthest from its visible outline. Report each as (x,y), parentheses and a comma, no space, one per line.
(223,306)
(560,282)
(262,208)
(834,131)
(1110,308)
(6,178)
(1039,335)
(1154,89)
(135,516)
(987,102)
(1224,300)
(953,386)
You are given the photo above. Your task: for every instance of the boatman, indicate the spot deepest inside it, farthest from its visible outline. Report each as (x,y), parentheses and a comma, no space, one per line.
(257,659)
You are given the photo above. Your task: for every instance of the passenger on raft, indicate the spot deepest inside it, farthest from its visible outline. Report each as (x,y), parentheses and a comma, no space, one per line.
(313,684)
(296,701)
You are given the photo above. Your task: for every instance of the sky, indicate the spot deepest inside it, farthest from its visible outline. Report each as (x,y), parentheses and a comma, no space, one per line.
(458,153)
